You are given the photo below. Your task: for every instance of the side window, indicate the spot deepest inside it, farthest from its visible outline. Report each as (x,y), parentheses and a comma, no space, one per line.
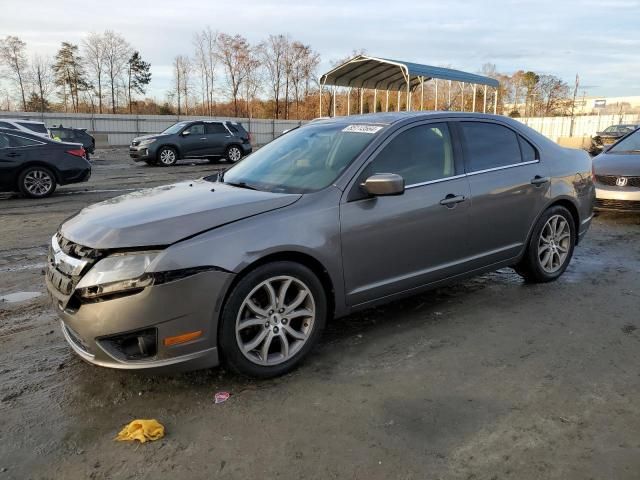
(197,129)
(8,125)
(15,141)
(4,141)
(489,145)
(419,154)
(216,128)
(529,152)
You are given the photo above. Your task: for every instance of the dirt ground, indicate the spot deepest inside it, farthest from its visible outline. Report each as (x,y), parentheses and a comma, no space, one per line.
(488,379)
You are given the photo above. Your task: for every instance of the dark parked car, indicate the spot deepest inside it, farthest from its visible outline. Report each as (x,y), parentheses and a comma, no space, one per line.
(35,165)
(75,135)
(617,175)
(609,136)
(332,217)
(195,139)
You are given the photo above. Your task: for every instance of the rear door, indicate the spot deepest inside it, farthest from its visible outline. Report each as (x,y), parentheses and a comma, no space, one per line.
(14,151)
(509,185)
(392,244)
(217,138)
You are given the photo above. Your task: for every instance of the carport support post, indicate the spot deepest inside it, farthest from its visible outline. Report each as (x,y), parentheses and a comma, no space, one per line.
(408,92)
(495,103)
(320,100)
(449,103)
(375,100)
(473,107)
(421,93)
(462,107)
(361,101)
(435,103)
(387,102)
(334,102)
(398,106)
(484,101)
(349,101)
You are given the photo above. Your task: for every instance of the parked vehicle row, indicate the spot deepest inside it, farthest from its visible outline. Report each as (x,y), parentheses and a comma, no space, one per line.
(609,136)
(332,217)
(35,165)
(192,139)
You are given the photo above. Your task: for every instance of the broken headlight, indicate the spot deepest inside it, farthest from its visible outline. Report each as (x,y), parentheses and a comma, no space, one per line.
(117,273)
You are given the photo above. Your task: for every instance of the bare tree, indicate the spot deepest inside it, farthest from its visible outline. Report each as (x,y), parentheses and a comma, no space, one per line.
(253,79)
(206,61)
(182,82)
(116,55)
(305,61)
(553,95)
(43,80)
(94,54)
(272,52)
(14,58)
(233,52)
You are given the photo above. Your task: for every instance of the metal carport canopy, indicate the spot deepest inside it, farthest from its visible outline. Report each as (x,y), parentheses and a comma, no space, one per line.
(364,71)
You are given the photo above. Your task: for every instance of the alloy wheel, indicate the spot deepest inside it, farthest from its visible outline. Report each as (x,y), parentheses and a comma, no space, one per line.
(38,183)
(554,244)
(275,320)
(234,154)
(167,157)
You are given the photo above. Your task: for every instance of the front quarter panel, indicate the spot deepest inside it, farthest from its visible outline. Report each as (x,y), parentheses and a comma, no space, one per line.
(310,226)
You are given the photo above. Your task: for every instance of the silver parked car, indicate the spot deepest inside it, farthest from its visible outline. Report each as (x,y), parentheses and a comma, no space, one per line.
(617,175)
(333,217)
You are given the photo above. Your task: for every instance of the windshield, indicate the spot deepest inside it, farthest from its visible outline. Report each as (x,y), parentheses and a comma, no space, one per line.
(175,128)
(630,144)
(304,160)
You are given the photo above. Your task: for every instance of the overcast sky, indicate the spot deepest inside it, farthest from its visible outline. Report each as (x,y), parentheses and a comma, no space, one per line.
(599,39)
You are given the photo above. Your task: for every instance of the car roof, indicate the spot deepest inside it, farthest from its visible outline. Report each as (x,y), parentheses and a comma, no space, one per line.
(20,120)
(390,118)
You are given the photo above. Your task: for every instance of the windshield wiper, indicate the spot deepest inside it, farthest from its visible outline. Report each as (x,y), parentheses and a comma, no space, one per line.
(241,185)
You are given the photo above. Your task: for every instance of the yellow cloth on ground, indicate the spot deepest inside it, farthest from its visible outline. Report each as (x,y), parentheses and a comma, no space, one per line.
(141,430)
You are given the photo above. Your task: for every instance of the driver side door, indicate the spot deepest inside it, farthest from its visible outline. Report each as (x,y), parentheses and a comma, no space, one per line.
(392,244)
(193,142)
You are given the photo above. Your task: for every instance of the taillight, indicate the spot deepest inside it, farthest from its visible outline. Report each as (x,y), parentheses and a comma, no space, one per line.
(249,136)
(78,152)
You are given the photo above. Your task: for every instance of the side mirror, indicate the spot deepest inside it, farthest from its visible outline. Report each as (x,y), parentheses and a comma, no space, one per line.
(185,133)
(381,184)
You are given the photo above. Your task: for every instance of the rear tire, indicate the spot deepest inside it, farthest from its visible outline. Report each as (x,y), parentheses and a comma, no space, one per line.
(37,182)
(279,308)
(550,247)
(167,156)
(233,154)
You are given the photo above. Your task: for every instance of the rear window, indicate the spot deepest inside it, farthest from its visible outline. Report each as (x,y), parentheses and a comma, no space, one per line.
(7,125)
(489,145)
(34,127)
(63,134)
(216,128)
(529,152)
(8,141)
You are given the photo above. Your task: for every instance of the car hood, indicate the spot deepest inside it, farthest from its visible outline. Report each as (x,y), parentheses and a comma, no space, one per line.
(617,164)
(152,135)
(164,215)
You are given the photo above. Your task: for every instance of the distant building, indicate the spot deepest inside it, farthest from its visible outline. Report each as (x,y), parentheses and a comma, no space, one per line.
(607,105)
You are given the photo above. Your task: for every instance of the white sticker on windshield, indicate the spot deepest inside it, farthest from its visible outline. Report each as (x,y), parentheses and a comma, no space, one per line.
(362,128)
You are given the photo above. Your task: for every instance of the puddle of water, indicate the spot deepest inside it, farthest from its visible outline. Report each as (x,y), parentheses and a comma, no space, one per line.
(19,297)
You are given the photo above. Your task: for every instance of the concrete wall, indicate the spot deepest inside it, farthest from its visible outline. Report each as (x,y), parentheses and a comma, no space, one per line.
(118,130)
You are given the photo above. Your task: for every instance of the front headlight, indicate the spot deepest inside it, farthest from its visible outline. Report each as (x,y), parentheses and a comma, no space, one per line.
(148,141)
(117,273)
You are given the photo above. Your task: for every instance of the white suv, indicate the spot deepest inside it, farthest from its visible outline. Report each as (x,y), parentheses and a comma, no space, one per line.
(29,126)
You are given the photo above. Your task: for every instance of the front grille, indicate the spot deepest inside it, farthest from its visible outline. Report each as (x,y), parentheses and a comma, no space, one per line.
(627,205)
(610,180)
(63,278)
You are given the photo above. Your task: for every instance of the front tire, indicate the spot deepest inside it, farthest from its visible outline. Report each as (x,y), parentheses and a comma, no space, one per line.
(37,182)
(550,247)
(167,156)
(233,154)
(272,319)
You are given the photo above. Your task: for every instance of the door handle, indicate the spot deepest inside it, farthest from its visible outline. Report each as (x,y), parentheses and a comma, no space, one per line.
(203,138)
(227,136)
(538,180)
(451,200)
(13,154)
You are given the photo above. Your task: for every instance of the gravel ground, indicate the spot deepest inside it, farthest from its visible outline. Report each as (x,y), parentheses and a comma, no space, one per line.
(488,379)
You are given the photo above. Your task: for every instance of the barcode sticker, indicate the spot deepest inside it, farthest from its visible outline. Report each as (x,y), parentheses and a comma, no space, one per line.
(362,128)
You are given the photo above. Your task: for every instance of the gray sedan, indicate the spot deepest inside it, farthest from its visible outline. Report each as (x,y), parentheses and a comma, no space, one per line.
(333,217)
(617,175)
